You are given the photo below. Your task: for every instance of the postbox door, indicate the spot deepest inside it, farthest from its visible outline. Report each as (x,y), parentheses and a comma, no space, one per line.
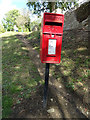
(52,47)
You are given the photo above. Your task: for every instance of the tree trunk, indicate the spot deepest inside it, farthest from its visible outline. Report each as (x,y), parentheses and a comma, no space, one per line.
(29,29)
(52,6)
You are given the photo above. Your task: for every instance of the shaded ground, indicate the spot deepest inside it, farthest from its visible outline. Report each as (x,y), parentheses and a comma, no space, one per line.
(68,90)
(68,86)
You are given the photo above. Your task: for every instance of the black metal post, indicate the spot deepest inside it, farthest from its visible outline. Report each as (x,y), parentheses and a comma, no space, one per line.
(46,85)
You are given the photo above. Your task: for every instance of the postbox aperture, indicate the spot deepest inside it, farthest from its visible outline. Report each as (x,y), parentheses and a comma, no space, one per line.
(51,38)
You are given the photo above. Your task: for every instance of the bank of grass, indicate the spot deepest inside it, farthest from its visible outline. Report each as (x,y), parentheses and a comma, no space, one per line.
(19,75)
(34,40)
(74,59)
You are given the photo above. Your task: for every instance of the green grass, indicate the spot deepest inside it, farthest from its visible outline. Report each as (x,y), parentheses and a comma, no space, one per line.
(34,40)
(20,76)
(6,103)
(74,65)
(76,70)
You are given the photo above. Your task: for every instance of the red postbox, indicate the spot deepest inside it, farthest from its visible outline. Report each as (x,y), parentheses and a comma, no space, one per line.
(51,37)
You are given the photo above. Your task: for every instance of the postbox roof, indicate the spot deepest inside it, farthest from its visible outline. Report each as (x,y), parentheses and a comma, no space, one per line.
(49,17)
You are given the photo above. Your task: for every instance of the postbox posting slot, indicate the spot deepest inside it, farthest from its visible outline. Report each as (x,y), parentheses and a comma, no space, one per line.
(53,23)
(53,27)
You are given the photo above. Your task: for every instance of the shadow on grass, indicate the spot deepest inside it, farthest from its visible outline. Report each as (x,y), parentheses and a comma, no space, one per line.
(74,51)
(73,69)
(33,107)
(74,61)
(19,74)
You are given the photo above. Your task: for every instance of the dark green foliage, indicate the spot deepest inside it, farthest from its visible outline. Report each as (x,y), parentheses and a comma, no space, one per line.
(39,7)
(10,19)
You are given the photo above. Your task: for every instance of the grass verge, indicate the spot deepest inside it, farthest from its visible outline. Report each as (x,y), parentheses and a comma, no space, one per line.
(20,76)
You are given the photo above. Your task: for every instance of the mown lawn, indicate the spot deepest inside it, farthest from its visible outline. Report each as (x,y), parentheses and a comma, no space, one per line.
(19,75)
